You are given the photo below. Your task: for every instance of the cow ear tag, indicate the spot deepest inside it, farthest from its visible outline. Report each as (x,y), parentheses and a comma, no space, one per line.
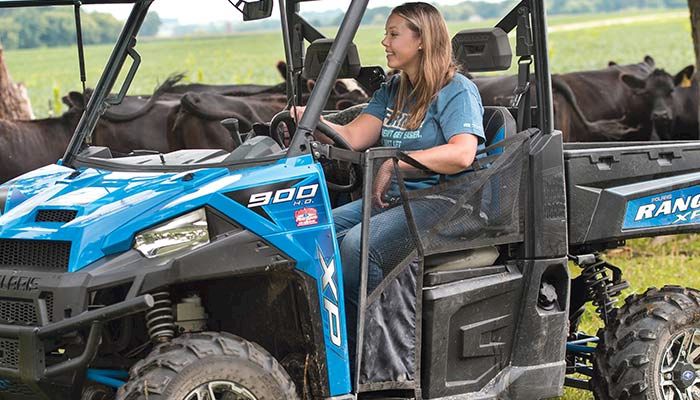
(686,82)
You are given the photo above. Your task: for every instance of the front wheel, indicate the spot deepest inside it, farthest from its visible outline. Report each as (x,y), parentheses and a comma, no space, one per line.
(208,366)
(652,349)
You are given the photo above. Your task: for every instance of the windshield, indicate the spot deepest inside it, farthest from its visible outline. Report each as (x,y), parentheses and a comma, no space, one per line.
(196,116)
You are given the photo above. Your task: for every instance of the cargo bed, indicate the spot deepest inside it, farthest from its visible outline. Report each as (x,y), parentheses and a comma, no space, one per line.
(623,190)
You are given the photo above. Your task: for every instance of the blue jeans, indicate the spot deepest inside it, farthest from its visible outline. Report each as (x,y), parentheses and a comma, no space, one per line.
(390,241)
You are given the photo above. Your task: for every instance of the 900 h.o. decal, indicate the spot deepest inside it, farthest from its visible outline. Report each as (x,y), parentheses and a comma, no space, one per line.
(287,192)
(300,196)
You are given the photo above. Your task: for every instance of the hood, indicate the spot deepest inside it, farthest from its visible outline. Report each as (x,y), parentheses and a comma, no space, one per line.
(97,211)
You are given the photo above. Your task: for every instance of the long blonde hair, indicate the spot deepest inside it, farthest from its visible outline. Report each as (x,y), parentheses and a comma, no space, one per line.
(437,65)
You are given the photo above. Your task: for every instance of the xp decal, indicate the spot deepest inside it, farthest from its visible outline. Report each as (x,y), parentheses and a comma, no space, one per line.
(330,303)
(678,207)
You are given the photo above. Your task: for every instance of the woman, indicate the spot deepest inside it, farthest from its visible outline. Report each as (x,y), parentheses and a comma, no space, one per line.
(428,110)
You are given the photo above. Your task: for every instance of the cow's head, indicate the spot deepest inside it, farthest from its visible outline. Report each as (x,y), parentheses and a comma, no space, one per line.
(658,90)
(75,101)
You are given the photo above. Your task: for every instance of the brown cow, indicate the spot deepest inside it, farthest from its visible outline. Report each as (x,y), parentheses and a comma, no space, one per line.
(31,144)
(197,124)
(138,123)
(198,121)
(345,93)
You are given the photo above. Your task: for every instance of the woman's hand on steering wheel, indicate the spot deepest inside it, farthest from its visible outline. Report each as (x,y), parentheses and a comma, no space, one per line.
(296,112)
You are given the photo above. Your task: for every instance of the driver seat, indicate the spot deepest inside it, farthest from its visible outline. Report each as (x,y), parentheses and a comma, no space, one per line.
(449,267)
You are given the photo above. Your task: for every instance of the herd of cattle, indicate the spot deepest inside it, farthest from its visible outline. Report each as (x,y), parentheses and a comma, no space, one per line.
(621,102)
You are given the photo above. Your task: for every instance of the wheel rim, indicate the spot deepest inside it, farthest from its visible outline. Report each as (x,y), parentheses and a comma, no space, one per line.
(680,367)
(220,390)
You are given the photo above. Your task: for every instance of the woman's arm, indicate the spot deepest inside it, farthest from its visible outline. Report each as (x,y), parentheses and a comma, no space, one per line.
(361,133)
(451,158)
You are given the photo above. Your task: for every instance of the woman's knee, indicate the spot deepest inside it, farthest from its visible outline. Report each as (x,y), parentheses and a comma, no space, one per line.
(350,246)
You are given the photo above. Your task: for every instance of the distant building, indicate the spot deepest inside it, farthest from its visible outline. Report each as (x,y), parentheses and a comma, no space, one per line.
(168,27)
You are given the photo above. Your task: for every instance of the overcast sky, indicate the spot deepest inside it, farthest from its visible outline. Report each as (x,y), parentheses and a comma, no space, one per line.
(203,11)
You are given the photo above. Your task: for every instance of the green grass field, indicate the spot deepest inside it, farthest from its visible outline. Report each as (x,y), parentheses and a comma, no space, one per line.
(248,58)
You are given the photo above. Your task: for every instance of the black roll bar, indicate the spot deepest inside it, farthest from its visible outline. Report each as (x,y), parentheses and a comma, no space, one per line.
(326,79)
(544,78)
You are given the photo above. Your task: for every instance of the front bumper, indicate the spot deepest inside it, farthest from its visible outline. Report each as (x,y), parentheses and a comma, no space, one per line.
(23,370)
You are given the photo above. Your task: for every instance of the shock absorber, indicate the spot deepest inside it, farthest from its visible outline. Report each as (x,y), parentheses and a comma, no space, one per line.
(160,320)
(603,284)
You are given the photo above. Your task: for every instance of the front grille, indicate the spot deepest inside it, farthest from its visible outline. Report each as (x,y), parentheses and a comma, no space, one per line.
(9,386)
(9,353)
(34,254)
(55,215)
(48,298)
(18,312)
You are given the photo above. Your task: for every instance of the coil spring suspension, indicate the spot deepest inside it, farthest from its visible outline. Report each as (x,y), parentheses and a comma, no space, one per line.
(603,284)
(160,319)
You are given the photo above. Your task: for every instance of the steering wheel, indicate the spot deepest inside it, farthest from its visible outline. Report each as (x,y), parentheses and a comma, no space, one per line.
(354,172)
(279,118)
(285,117)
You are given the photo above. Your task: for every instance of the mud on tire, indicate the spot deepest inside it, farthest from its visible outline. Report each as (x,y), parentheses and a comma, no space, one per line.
(175,369)
(628,362)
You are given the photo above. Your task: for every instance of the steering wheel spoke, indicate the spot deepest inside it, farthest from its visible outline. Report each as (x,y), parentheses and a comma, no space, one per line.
(285,117)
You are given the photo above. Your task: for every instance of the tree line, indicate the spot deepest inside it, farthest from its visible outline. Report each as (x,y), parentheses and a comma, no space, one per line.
(26,28)
(485,9)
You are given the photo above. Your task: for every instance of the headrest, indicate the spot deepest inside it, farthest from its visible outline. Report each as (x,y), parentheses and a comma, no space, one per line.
(482,50)
(317,52)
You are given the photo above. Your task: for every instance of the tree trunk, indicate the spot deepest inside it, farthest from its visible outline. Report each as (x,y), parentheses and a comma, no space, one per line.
(14,101)
(694,7)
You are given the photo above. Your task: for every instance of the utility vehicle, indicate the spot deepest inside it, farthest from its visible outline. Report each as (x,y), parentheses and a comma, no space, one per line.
(208,274)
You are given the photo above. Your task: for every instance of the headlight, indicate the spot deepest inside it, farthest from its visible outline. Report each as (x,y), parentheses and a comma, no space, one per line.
(188,231)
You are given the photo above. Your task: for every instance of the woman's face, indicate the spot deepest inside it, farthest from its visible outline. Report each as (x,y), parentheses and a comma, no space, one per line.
(401,44)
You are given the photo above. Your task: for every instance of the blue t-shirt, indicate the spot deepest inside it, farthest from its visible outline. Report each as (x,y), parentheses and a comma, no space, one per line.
(456,109)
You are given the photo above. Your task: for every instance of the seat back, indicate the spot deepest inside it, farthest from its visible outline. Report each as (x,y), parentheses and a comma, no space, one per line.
(498,125)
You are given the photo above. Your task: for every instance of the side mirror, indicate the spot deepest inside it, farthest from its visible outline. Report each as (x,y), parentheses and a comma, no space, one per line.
(254,10)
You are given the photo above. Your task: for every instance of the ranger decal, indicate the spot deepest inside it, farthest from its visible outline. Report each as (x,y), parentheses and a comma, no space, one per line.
(679,207)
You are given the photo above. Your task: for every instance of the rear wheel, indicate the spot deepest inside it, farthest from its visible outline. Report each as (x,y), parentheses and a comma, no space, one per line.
(208,366)
(652,349)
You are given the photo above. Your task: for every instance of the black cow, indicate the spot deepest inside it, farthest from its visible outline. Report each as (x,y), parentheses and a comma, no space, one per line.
(659,91)
(600,105)
(685,110)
